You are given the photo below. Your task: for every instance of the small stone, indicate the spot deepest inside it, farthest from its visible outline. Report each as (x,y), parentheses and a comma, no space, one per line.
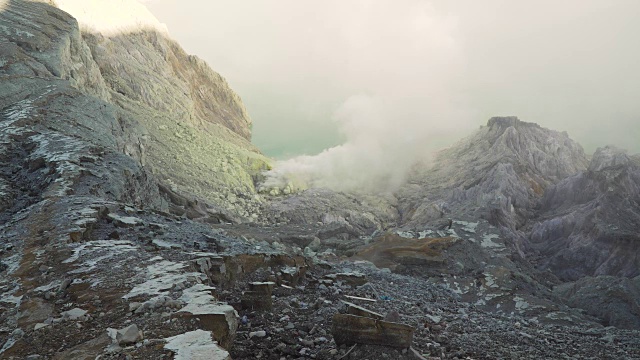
(392,316)
(134,306)
(127,335)
(40,326)
(65,284)
(307,343)
(259,334)
(173,304)
(74,314)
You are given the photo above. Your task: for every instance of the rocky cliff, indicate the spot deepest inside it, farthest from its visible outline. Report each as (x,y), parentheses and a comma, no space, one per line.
(588,222)
(138,94)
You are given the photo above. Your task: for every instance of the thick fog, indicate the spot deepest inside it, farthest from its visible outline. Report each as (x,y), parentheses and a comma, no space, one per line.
(365,88)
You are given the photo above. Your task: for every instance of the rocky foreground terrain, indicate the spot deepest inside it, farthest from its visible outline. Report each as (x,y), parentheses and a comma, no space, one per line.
(132,227)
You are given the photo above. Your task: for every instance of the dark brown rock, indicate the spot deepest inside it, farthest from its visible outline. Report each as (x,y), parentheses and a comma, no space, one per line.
(351,329)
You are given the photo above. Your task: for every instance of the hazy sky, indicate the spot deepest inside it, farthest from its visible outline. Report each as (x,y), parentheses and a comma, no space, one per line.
(569,65)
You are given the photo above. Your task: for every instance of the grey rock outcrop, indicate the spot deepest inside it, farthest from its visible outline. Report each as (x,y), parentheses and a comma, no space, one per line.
(616,300)
(589,222)
(498,173)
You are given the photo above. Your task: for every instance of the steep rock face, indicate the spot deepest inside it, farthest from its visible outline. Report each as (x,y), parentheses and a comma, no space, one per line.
(149,68)
(588,223)
(168,111)
(194,125)
(498,174)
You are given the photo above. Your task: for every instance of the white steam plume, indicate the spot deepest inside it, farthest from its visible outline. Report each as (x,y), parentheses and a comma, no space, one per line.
(404,104)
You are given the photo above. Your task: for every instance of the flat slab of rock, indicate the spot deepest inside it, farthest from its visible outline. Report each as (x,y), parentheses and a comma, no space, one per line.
(350,329)
(219,318)
(356,310)
(196,345)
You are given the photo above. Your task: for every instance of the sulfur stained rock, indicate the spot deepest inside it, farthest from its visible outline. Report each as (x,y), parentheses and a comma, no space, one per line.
(351,329)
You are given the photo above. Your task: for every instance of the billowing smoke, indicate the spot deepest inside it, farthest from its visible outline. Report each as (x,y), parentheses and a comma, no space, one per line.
(403,108)
(383,143)
(391,81)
